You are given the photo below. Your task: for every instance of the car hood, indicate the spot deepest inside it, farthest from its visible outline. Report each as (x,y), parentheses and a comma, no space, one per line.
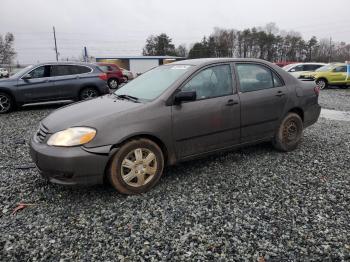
(6,81)
(88,113)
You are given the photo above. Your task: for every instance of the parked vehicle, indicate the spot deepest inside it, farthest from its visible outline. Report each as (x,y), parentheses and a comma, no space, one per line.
(173,113)
(334,74)
(52,81)
(298,69)
(114,74)
(4,72)
(127,75)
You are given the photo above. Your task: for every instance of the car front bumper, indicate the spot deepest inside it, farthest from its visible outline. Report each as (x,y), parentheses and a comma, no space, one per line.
(68,165)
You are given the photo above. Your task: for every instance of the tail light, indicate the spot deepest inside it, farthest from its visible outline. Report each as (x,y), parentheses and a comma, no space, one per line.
(103,76)
(317,90)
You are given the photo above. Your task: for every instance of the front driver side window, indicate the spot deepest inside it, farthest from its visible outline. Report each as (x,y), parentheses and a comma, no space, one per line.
(40,72)
(211,82)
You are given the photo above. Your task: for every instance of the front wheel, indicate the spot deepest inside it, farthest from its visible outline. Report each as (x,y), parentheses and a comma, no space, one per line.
(289,133)
(136,167)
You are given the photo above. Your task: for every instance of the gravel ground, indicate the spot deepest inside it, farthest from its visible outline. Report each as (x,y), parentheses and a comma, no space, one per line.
(337,99)
(252,204)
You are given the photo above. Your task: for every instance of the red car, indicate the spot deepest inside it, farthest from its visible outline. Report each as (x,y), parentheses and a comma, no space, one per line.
(114,74)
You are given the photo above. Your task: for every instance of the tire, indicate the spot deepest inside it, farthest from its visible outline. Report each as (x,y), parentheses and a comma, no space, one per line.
(322,83)
(7,104)
(88,93)
(289,133)
(127,171)
(113,83)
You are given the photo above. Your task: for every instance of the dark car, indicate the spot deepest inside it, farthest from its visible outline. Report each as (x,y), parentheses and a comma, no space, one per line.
(114,74)
(173,113)
(52,81)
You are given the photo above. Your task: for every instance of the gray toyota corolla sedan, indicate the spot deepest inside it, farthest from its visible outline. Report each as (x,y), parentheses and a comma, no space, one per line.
(170,114)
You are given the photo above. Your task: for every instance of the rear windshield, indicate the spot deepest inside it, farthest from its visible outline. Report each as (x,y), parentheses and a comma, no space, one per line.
(153,83)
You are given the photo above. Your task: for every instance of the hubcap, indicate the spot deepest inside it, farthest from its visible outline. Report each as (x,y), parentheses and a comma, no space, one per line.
(113,84)
(5,103)
(321,84)
(290,131)
(139,167)
(89,93)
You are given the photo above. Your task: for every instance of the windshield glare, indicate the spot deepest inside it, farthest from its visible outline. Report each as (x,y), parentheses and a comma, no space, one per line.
(153,83)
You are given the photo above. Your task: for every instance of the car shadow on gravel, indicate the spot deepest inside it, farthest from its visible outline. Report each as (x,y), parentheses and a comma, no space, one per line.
(180,174)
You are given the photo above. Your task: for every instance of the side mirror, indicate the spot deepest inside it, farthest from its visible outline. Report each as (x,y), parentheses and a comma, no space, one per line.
(183,96)
(26,77)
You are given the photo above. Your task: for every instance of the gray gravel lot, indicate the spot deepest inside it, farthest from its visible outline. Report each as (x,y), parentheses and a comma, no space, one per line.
(337,99)
(241,205)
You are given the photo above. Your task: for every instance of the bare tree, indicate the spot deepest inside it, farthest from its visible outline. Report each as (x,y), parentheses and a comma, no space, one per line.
(7,52)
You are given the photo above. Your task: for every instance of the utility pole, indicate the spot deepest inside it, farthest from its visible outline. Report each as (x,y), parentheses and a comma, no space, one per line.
(54,36)
(330,50)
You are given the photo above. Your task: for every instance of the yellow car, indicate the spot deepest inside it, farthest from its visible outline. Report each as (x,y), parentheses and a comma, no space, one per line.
(334,74)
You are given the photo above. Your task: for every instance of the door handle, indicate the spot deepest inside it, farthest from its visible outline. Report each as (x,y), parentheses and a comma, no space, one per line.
(280,93)
(231,102)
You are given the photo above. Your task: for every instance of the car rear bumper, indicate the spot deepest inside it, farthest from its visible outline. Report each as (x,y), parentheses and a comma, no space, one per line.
(311,115)
(68,166)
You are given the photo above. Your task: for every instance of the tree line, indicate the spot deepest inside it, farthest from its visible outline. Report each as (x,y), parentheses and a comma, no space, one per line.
(268,43)
(7,51)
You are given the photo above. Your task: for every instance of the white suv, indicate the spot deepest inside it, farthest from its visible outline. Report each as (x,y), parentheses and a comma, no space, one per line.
(4,72)
(299,68)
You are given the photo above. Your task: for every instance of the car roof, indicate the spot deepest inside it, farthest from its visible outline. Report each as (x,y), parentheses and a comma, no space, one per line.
(203,61)
(66,63)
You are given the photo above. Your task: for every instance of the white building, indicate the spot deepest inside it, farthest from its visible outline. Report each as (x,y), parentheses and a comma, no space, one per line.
(137,64)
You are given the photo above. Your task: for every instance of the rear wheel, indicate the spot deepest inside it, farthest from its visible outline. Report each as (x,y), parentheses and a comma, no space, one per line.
(88,93)
(136,167)
(6,103)
(113,83)
(322,83)
(289,133)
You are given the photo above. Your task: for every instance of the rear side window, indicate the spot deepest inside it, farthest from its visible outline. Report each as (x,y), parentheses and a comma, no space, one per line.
(107,68)
(62,70)
(254,77)
(81,69)
(211,82)
(40,72)
(311,67)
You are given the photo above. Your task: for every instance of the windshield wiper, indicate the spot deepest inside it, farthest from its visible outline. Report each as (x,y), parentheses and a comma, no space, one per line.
(128,97)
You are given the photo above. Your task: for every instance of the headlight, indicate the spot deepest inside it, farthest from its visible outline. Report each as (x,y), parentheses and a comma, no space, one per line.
(72,137)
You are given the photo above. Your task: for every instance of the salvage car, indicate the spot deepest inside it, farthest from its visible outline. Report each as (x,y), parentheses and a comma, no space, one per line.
(173,113)
(114,74)
(334,74)
(51,82)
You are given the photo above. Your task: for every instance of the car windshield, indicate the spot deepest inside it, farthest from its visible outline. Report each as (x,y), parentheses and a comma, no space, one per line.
(21,72)
(325,68)
(153,83)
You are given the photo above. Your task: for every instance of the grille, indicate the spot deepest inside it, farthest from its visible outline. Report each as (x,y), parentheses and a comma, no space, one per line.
(41,133)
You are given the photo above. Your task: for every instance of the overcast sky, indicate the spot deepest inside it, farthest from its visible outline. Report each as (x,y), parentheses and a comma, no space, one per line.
(121,27)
